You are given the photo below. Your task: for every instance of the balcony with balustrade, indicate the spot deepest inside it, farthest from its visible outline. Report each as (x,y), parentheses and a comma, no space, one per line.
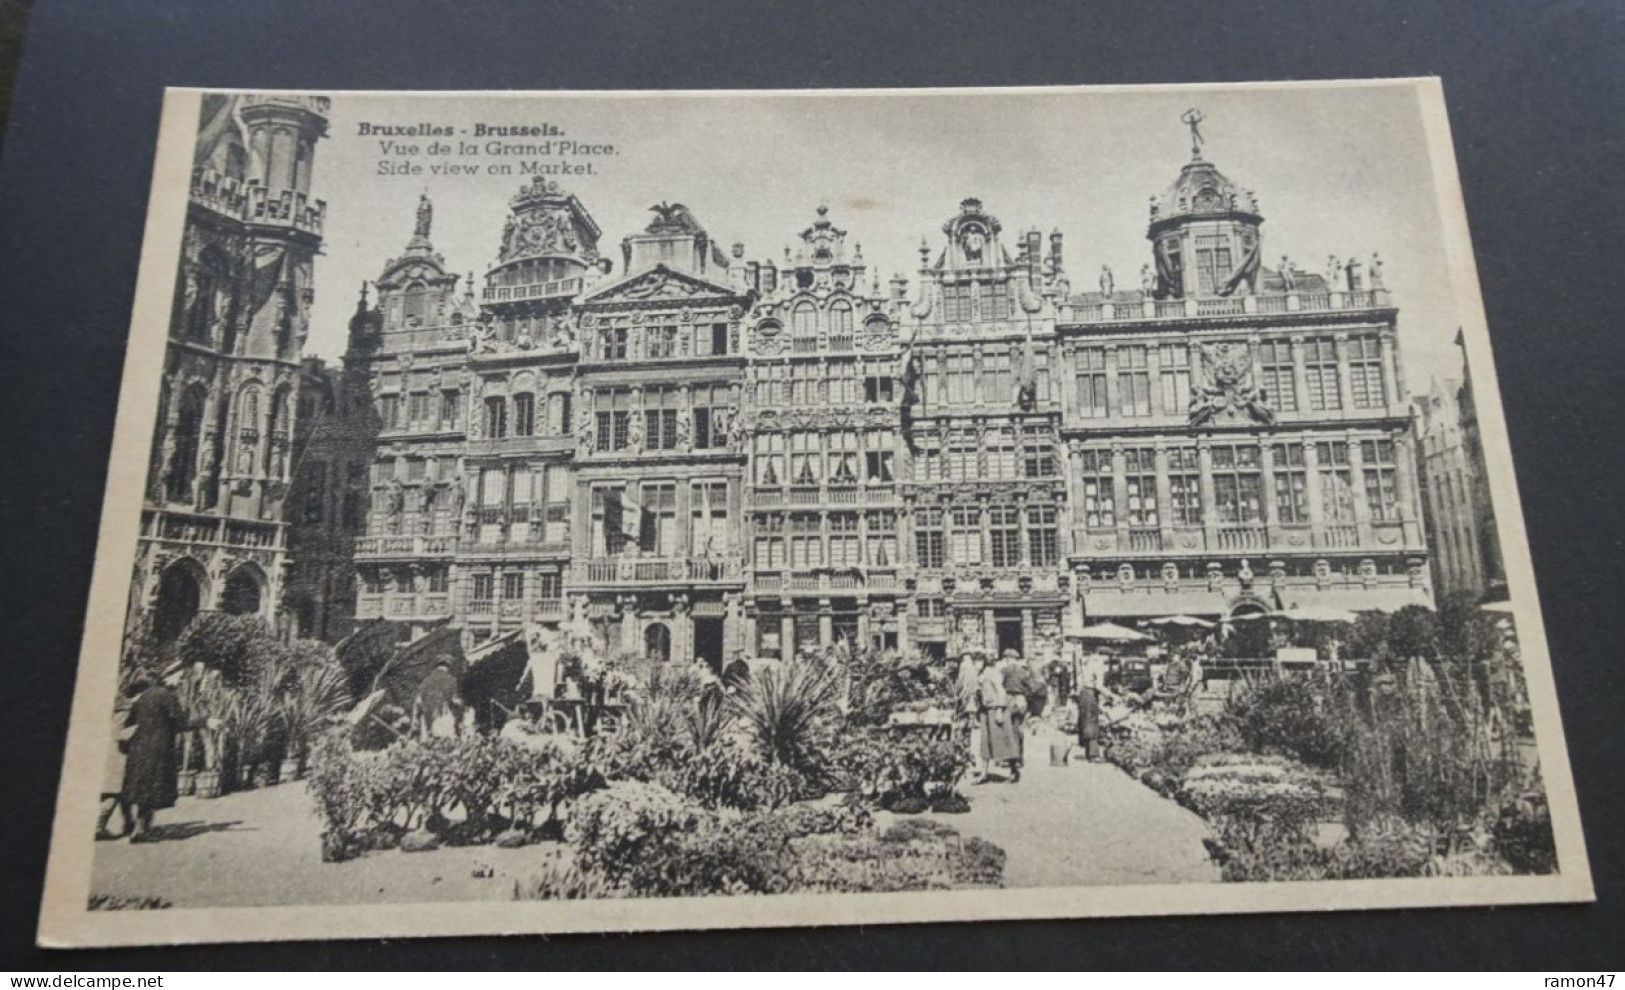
(404,547)
(1241,539)
(874,496)
(1074,313)
(657,572)
(558,288)
(826,581)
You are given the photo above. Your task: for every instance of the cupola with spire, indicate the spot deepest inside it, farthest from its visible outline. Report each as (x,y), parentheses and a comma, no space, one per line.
(415,289)
(1204,230)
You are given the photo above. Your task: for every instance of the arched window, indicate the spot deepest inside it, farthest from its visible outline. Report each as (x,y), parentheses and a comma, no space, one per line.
(496,417)
(276,447)
(657,643)
(188,440)
(524,415)
(209,281)
(180,595)
(416,307)
(840,325)
(804,328)
(248,431)
(155,458)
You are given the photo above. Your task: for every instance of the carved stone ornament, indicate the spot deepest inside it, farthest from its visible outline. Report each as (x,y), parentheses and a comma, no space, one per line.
(1227,394)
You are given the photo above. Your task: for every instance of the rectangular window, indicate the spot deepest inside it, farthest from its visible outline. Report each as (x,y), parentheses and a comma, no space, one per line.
(997,379)
(1365,372)
(956,303)
(769,459)
(451,407)
(963,460)
(1212,262)
(1276,379)
(805,458)
(804,384)
(662,341)
(439,580)
(719,339)
(877,388)
(1320,373)
(389,412)
(1174,375)
(484,588)
(929,543)
(1140,487)
(708,518)
(843,458)
(881,537)
(965,534)
(657,519)
(1004,535)
(1099,499)
(612,344)
(1336,482)
(996,301)
(614,418)
(1184,486)
(496,417)
(660,418)
(961,379)
(1092,383)
(770,552)
(416,467)
(1043,545)
(549,586)
(843,540)
(1291,483)
(524,415)
(710,416)
(1381,483)
(929,463)
(417,410)
(1237,484)
(806,542)
(1037,452)
(513,586)
(841,383)
(612,516)
(999,446)
(877,458)
(772,385)
(1133,382)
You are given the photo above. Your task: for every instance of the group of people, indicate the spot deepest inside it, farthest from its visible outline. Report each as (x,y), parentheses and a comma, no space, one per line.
(998,699)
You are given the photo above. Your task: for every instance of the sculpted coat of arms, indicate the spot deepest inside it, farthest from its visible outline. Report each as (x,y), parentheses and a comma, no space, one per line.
(1227,393)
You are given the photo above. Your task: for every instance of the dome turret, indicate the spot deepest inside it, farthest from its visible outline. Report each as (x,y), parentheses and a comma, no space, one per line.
(1204,230)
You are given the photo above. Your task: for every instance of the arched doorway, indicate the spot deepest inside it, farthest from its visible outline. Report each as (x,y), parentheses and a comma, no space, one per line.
(242,594)
(1250,633)
(180,594)
(657,643)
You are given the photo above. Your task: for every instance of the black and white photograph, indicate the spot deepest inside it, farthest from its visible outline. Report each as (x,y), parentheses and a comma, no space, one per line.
(544,512)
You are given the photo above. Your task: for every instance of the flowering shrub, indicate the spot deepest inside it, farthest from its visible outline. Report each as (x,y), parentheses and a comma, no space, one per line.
(887,768)
(1290,715)
(628,823)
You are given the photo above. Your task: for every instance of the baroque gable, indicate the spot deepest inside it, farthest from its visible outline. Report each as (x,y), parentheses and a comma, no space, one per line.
(659,286)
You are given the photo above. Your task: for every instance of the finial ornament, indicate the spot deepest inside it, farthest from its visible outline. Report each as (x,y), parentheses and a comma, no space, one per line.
(425,216)
(1193,119)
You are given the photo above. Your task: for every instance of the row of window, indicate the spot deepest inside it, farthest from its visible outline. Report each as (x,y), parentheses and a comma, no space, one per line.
(1133,382)
(483,586)
(1240,494)
(661,341)
(1003,454)
(835,382)
(961,377)
(837,539)
(837,457)
(644,516)
(998,535)
(657,414)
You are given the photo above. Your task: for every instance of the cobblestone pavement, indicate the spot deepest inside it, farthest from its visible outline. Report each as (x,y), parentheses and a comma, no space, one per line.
(1076,825)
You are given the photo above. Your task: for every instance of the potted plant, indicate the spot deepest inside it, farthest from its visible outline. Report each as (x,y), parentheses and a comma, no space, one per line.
(317,695)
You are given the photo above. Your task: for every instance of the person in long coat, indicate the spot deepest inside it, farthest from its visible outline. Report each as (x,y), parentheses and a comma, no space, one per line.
(152,766)
(438,702)
(1000,744)
(1089,721)
(965,703)
(113,798)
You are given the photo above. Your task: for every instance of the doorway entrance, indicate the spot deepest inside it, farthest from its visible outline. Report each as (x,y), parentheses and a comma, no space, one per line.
(708,642)
(657,643)
(1007,630)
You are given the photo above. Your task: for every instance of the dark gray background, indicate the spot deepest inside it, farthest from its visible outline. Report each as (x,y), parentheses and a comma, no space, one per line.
(1535,95)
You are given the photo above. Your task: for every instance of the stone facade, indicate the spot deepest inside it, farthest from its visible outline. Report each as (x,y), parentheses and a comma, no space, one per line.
(702,454)
(214,534)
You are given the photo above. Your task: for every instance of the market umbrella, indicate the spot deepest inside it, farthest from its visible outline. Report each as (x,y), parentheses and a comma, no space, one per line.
(1111,632)
(1316,613)
(1190,621)
(401,677)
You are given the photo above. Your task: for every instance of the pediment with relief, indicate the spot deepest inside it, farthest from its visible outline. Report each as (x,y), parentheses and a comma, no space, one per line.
(658,285)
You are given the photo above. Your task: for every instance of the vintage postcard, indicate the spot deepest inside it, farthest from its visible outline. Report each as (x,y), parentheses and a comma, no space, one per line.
(547,512)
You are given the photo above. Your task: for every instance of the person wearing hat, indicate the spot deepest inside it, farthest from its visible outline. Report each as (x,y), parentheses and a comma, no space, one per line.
(438,702)
(113,779)
(1000,742)
(1089,721)
(152,768)
(1014,674)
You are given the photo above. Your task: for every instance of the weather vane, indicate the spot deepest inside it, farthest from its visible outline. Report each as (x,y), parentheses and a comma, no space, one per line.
(1193,119)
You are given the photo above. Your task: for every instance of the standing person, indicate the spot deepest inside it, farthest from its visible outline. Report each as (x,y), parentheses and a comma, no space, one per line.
(1014,675)
(113,798)
(151,769)
(737,674)
(437,702)
(1000,742)
(1037,689)
(1089,721)
(965,703)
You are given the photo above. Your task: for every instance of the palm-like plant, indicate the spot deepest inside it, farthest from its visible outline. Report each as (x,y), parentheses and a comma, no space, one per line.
(789,712)
(316,695)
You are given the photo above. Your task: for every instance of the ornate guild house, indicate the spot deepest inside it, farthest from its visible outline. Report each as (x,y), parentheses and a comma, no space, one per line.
(694,454)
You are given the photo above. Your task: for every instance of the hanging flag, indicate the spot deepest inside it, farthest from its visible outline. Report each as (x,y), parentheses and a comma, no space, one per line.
(1246,272)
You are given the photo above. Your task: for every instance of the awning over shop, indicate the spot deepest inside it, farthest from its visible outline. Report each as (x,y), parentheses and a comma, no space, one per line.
(1149,603)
